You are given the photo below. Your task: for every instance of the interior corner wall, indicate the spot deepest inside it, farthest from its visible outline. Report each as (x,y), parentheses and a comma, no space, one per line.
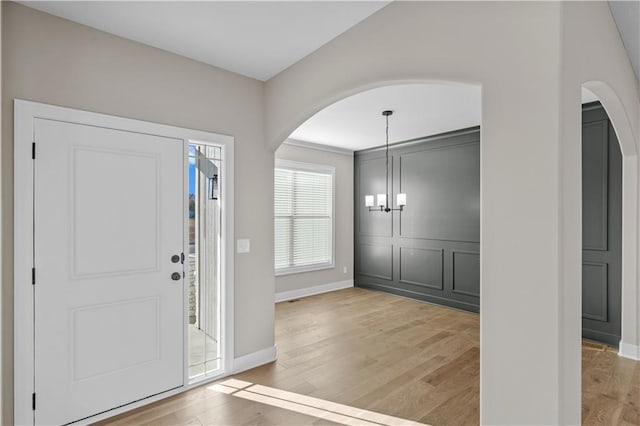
(343,217)
(594,55)
(513,50)
(51,60)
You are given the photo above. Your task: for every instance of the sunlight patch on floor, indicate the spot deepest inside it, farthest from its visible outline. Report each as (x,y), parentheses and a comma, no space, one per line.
(320,408)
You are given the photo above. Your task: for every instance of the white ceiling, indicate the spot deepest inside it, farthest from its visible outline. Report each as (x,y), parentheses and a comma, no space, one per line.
(253,38)
(261,38)
(419,110)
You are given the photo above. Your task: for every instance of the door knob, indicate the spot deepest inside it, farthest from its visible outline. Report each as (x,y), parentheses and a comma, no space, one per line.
(176,276)
(175,258)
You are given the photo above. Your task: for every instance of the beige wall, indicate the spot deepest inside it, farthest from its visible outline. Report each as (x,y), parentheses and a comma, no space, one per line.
(343,164)
(530,186)
(51,60)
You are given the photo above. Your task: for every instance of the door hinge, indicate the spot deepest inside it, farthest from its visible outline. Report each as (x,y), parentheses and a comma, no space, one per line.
(33,401)
(33,276)
(33,150)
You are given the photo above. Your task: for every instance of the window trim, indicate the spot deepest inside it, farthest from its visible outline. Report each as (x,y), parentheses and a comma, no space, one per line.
(315,168)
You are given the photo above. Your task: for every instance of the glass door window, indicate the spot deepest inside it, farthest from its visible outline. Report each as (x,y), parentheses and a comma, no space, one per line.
(204,260)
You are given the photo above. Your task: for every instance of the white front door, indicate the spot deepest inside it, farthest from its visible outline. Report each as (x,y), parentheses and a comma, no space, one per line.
(109,297)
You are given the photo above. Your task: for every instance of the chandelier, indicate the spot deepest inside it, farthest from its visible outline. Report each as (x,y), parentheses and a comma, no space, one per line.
(383,199)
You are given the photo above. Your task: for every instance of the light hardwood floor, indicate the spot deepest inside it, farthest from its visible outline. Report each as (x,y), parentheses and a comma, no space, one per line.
(389,355)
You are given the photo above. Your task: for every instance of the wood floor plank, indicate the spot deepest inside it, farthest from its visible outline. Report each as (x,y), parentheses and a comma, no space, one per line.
(386,354)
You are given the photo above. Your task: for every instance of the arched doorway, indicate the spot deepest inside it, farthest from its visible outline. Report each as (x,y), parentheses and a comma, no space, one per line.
(615,110)
(434,256)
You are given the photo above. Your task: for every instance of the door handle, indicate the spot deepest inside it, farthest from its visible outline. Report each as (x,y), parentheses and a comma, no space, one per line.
(175,258)
(176,276)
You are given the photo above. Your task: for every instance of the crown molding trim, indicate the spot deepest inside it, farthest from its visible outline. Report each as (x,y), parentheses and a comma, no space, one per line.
(319,147)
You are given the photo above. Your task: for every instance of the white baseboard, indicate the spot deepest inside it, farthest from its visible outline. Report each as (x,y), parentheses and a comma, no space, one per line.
(310,291)
(255,359)
(629,351)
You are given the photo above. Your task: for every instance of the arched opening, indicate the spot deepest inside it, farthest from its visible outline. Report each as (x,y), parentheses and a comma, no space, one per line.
(609,276)
(629,204)
(626,139)
(398,356)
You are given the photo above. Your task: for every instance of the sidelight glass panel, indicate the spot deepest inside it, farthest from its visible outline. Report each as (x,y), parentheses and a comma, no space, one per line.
(204,259)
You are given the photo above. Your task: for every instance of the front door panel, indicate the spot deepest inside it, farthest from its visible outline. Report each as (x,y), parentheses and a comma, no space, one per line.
(108,315)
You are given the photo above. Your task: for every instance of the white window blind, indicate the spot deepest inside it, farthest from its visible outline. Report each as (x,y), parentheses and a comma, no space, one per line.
(303,217)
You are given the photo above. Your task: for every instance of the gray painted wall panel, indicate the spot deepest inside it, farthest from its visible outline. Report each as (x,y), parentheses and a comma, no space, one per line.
(595,185)
(376,261)
(371,175)
(602,227)
(594,291)
(441,177)
(466,273)
(421,267)
(444,188)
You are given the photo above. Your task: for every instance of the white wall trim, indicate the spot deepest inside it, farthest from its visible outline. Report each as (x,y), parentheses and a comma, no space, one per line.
(310,291)
(255,359)
(319,147)
(630,351)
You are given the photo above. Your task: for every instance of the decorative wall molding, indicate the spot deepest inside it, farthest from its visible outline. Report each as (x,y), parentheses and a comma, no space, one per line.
(437,285)
(602,243)
(454,279)
(603,294)
(467,131)
(254,359)
(380,257)
(319,147)
(310,291)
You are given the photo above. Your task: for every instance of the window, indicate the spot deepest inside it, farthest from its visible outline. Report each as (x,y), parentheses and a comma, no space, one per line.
(303,217)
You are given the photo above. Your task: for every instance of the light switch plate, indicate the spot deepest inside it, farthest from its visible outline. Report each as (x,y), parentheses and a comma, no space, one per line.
(243,246)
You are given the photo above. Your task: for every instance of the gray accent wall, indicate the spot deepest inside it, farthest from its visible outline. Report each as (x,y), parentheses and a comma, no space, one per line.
(431,250)
(601,227)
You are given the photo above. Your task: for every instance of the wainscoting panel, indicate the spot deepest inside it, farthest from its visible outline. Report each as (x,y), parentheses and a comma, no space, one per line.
(466,273)
(376,261)
(594,291)
(422,267)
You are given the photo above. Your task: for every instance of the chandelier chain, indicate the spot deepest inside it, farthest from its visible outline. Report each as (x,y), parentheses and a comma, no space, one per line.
(387,160)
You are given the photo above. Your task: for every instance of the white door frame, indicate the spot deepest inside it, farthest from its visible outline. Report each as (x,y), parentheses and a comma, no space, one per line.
(25,113)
